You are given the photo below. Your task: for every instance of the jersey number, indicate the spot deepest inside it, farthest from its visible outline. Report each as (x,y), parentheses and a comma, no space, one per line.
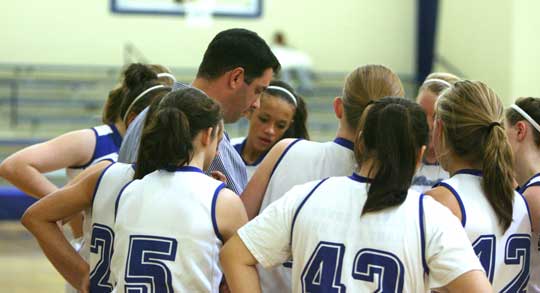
(145,271)
(517,252)
(101,243)
(322,273)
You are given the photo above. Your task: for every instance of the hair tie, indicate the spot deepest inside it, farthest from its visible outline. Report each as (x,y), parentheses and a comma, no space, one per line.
(139,97)
(438,80)
(526,116)
(166,74)
(284,90)
(493,124)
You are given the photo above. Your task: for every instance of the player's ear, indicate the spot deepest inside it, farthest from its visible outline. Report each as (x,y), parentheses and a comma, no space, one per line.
(206,136)
(338,107)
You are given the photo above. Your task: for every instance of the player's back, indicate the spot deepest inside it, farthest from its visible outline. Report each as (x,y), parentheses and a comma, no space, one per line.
(301,162)
(304,161)
(166,233)
(98,225)
(334,245)
(504,254)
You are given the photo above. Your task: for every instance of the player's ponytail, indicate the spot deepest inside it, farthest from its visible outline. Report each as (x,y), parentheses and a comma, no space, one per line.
(167,138)
(471,115)
(393,131)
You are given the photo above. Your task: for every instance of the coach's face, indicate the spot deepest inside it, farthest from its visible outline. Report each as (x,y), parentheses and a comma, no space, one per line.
(246,95)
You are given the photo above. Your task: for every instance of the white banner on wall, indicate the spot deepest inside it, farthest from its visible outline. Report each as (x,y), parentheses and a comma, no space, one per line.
(226,8)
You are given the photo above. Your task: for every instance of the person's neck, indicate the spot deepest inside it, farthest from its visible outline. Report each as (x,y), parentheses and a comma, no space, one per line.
(430,158)
(366,169)
(345,132)
(121,127)
(197,160)
(249,153)
(527,164)
(208,87)
(455,164)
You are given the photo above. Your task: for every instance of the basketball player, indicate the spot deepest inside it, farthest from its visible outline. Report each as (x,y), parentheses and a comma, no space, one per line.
(295,161)
(472,146)
(368,232)
(180,229)
(431,172)
(523,131)
(281,114)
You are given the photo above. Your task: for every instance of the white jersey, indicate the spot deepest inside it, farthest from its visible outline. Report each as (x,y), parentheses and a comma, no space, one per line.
(301,162)
(534,282)
(99,224)
(167,238)
(335,249)
(427,176)
(503,254)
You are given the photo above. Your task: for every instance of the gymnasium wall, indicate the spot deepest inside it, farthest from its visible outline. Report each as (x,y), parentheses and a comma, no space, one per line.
(338,35)
(495,42)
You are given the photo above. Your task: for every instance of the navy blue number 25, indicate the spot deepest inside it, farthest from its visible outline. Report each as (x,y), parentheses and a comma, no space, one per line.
(101,243)
(145,271)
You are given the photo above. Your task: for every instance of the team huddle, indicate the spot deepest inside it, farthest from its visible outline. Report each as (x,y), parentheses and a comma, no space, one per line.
(437,194)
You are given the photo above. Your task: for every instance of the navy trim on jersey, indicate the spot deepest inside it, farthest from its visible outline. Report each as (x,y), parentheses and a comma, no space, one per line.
(188,168)
(213,211)
(527,205)
(283,155)
(474,172)
(118,198)
(240,148)
(116,137)
(360,179)
(99,181)
(458,198)
(422,234)
(302,204)
(344,143)
(526,185)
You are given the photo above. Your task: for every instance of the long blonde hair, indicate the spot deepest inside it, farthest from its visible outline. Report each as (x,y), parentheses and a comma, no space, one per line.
(471,115)
(366,84)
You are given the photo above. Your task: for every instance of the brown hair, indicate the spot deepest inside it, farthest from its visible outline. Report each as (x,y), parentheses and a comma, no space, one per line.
(135,79)
(433,85)
(393,131)
(471,114)
(366,84)
(167,136)
(531,106)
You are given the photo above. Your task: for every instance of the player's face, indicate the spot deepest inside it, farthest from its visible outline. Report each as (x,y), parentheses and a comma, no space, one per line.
(268,123)
(426,99)
(247,96)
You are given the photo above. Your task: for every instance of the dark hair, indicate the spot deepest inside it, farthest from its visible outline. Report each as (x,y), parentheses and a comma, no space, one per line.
(139,78)
(393,130)
(531,106)
(166,140)
(135,79)
(471,113)
(234,48)
(298,128)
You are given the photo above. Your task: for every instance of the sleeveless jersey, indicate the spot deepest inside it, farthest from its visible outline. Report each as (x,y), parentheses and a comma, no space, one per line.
(337,249)
(108,141)
(534,282)
(99,224)
(166,235)
(301,162)
(505,255)
(238,144)
(427,176)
